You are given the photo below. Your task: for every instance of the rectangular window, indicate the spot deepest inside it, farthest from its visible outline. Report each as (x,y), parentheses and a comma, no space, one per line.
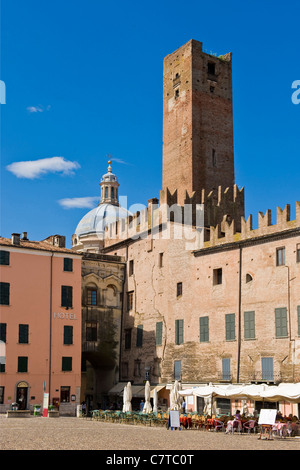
(160,260)
(249,325)
(158,333)
(204,329)
(91,296)
(130,300)
(128,338)
(177,370)
(179,289)
(1,395)
(281,322)
(217,276)
(230,326)
(214,157)
(23,334)
(65,394)
(298,314)
(298,253)
(226,374)
(68,334)
(22,364)
(66,365)
(131,267)
(67,296)
(4,293)
(91,331)
(3,332)
(178,331)
(139,336)
(267,368)
(280,256)
(68,264)
(211,68)
(4,258)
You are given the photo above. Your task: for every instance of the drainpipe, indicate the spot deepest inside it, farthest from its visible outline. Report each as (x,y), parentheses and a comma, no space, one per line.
(292,340)
(50,333)
(239,318)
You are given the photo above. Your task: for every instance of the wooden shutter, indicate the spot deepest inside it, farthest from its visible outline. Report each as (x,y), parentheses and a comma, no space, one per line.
(23,333)
(178,331)
(249,325)
(158,337)
(4,257)
(281,322)
(204,329)
(68,334)
(4,293)
(226,369)
(230,326)
(267,368)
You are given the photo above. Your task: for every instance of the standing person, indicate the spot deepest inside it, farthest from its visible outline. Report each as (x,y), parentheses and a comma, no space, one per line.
(142,405)
(183,406)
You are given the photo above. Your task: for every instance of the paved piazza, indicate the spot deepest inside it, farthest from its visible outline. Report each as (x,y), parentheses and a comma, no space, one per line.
(37,433)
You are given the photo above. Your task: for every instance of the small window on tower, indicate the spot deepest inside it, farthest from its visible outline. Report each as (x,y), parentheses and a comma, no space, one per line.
(211,68)
(214,158)
(177,93)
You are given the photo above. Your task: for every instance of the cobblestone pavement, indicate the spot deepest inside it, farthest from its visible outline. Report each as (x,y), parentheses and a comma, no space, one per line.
(37,433)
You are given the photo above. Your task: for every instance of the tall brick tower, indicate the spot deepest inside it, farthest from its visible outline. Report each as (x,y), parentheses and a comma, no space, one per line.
(197,121)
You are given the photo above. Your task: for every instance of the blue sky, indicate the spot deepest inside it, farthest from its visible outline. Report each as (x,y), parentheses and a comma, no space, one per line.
(84,80)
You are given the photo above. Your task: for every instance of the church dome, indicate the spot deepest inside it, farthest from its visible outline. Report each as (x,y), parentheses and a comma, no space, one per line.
(94,221)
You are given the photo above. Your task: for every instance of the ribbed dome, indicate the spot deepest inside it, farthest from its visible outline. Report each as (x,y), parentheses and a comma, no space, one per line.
(96,220)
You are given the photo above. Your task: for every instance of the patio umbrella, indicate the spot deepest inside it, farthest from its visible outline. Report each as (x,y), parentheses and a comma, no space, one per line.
(155,400)
(124,398)
(175,397)
(127,398)
(147,407)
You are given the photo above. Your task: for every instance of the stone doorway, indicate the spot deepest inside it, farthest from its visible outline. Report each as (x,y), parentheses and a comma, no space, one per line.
(22,395)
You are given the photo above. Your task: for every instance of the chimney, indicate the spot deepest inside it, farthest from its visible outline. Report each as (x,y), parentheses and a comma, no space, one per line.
(24,236)
(15,238)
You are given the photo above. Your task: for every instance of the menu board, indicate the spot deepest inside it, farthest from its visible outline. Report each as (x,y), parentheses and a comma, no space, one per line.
(267,417)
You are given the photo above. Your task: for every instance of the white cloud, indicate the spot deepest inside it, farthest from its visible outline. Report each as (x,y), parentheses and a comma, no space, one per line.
(118,160)
(36,168)
(38,109)
(79,202)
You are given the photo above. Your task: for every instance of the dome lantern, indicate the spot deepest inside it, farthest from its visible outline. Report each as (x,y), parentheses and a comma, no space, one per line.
(109,188)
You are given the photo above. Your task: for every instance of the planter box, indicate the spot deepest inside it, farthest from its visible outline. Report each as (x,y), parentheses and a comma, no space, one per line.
(53,413)
(18,414)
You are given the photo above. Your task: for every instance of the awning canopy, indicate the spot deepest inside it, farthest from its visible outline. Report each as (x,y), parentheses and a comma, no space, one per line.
(287,392)
(138,391)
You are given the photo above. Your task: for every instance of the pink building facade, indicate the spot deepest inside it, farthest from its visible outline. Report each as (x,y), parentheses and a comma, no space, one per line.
(40,324)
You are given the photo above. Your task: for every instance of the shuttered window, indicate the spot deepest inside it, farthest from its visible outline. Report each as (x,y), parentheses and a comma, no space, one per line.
(230,326)
(226,375)
(23,333)
(158,335)
(67,364)
(249,325)
(4,293)
(3,332)
(4,258)
(66,296)
(178,331)
(68,334)
(68,264)
(281,322)
(267,368)
(139,336)
(204,329)
(177,370)
(22,364)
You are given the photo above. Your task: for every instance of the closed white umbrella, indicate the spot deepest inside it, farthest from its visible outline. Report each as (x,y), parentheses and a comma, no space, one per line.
(147,407)
(124,398)
(155,400)
(127,396)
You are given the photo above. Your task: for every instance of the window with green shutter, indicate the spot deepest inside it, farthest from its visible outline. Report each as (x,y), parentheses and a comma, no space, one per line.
(68,264)
(249,325)
(3,332)
(204,329)
(22,364)
(4,258)
(66,296)
(68,334)
(281,322)
(177,370)
(178,331)
(230,326)
(226,374)
(139,336)
(67,364)
(23,333)
(4,293)
(267,372)
(158,335)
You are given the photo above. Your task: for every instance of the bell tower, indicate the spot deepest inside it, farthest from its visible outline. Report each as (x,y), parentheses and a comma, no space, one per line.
(197,121)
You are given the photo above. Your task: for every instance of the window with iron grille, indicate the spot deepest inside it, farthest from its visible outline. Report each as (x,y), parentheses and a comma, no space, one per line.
(4,258)
(68,334)
(68,264)
(66,296)
(23,334)
(4,293)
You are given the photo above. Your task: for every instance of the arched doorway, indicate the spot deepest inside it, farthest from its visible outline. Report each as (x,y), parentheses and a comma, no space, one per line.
(22,395)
